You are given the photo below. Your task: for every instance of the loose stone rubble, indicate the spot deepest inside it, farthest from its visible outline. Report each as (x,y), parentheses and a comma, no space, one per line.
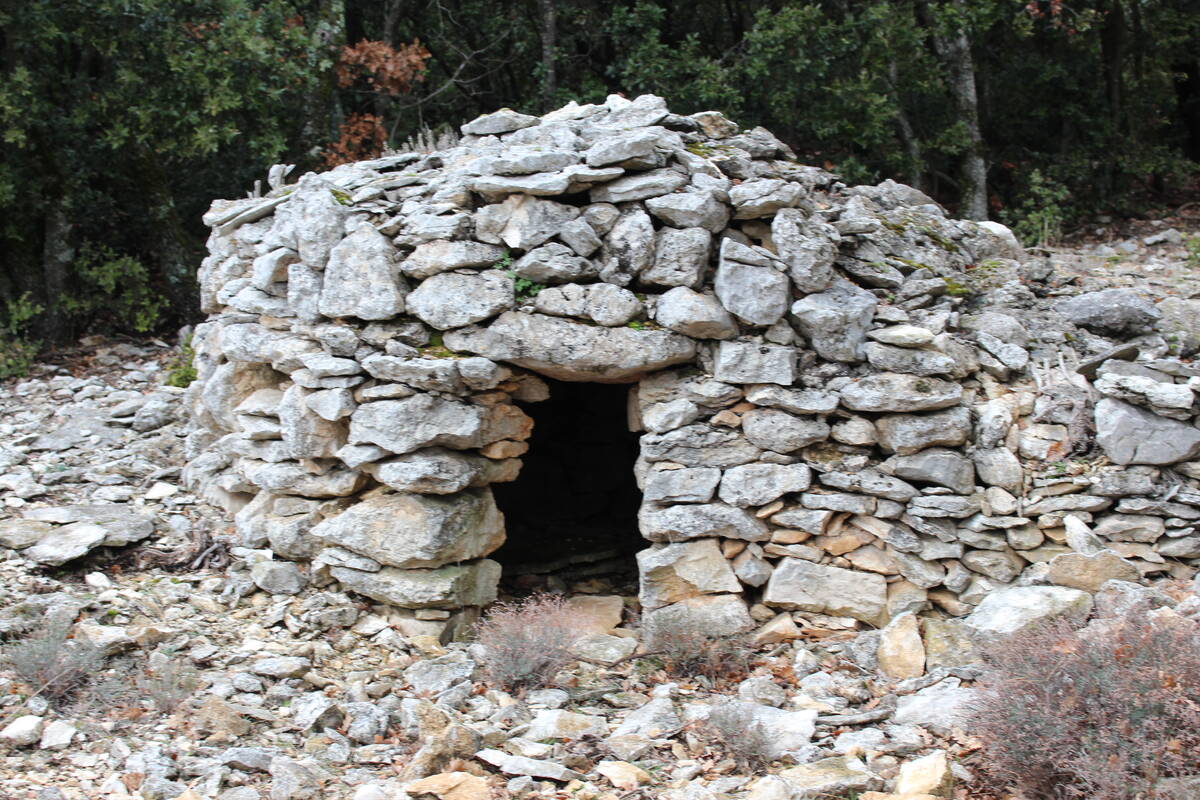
(874,440)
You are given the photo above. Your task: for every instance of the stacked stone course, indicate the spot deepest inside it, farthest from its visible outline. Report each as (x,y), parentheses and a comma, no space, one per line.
(840,414)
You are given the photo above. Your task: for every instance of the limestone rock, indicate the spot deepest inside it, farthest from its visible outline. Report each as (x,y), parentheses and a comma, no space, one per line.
(674,572)
(675,523)
(415,531)
(568,350)
(470,584)
(452,300)
(690,210)
(749,285)
(65,543)
(807,246)
(687,485)
(440,255)
(803,586)
(1130,435)
(772,429)
(693,314)
(905,434)
(901,651)
(836,321)
(758,484)
(1090,572)
(827,777)
(1110,311)
(898,392)
(363,278)
(749,362)
(1014,609)
(680,257)
(402,426)
(928,775)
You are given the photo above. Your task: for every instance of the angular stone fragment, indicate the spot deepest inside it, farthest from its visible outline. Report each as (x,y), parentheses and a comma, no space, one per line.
(639,186)
(897,392)
(522,221)
(1090,572)
(901,652)
(418,531)
(836,321)
(938,466)
(693,314)
(749,285)
(1114,312)
(912,361)
(691,209)
(677,523)
(362,278)
(715,614)
(503,121)
(700,446)
(808,247)
(758,484)
(434,470)
(680,258)
(1131,435)
(749,362)
(772,429)
(452,300)
(553,263)
(423,420)
(803,586)
(65,543)
(430,258)
(796,401)
(763,197)
(674,572)
(568,350)
(454,586)
(311,221)
(1010,610)
(628,249)
(905,434)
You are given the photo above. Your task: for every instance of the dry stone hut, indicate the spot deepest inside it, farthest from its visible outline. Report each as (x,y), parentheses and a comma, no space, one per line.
(759,377)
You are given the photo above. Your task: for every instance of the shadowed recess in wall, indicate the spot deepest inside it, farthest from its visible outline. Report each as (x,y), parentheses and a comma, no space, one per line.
(573,510)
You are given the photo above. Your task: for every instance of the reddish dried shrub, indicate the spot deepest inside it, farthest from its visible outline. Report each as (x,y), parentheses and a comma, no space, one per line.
(360,137)
(528,642)
(1104,713)
(389,70)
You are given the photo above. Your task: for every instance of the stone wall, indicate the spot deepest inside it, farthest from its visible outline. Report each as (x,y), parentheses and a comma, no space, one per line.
(852,405)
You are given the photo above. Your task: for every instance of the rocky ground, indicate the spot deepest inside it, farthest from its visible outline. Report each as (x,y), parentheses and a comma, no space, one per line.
(227,675)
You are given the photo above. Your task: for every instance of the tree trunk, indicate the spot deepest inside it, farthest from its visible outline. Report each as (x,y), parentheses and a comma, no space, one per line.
(914,171)
(549,43)
(954,50)
(57,254)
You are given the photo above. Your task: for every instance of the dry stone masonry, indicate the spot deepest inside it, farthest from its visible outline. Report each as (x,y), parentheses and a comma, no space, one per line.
(850,404)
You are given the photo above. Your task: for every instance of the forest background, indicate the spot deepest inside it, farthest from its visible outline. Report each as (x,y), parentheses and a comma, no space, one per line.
(120,120)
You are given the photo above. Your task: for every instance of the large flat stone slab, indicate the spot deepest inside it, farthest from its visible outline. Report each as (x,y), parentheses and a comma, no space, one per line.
(572,351)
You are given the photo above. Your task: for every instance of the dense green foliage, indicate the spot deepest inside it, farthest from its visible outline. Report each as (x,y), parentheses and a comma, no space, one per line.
(121,119)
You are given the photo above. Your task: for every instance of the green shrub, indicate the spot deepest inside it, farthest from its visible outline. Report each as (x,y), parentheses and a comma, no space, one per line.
(115,292)
(1039,218)
(181,371)
(17,351)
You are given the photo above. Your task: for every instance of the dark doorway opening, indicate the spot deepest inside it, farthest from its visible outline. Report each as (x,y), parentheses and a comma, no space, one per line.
(572,513)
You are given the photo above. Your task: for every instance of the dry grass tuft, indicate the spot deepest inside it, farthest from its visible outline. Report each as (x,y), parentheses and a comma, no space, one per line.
(528,642)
